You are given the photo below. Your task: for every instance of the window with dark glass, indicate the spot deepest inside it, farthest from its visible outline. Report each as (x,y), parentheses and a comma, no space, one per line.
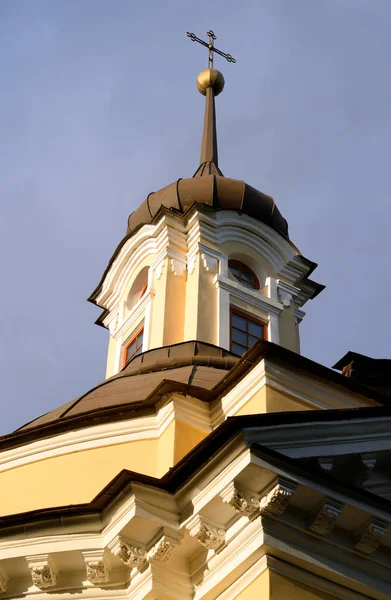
(134,346)
(245,331)
(243,274)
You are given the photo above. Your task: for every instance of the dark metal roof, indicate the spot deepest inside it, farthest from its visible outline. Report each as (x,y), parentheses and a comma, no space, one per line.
(196,369)
(215,191)
(197,366)
(208,185)
(373,372)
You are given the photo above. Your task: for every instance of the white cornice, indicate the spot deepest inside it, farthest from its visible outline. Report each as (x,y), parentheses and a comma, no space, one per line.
(189,410)
(251,297)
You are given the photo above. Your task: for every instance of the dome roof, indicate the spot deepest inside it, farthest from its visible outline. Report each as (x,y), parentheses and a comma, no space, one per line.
(213,190)
(192,366)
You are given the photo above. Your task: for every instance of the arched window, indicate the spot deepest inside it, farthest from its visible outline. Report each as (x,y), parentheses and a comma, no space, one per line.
(243,274)
(138,289)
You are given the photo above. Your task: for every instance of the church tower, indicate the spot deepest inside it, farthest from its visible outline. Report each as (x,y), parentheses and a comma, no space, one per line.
(214,462)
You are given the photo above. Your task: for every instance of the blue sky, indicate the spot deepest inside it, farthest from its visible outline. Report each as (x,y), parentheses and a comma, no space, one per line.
(99,107)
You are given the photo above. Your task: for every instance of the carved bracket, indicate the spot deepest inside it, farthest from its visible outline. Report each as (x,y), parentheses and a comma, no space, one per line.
(324,517)
(43,571)
(158,268)
(277,499)
(326,463)
(97,570)
(163,548)
(369,539)
(368,463)
(3,582)
(131,554)
(210,535)
(178,266)
(285,297)
(242,502)
(210,262)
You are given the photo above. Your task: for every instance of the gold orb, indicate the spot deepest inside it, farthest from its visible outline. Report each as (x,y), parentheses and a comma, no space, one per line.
(210,78)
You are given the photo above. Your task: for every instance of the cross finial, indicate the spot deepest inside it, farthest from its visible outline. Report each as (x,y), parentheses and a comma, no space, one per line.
(211,47)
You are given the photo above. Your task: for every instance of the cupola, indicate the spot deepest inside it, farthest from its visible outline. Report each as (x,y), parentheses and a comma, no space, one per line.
(207,258)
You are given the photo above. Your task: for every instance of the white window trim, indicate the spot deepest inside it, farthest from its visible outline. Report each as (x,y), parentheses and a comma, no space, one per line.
(232,294)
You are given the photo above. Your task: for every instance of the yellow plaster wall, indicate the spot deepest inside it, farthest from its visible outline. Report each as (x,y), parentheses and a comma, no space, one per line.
(289,331)
(192,288)
(272,586)
(174,315)
(111,354)
(255,406)
(165,450)
(207,307)
(158,308)
(259,589)
(282,588)
(74,478)
(278,402)
(186,438)
(269,400)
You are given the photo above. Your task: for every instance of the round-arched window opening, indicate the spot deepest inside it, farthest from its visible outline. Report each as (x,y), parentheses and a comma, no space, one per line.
(138,288)
(243,274)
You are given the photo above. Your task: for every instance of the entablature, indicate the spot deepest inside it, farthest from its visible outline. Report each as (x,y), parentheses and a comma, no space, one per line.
(186,540)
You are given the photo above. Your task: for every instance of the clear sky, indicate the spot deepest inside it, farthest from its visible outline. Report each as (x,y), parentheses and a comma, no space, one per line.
(98,107)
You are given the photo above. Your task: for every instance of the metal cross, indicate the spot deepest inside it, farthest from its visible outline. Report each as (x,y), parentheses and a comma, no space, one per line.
(211,48)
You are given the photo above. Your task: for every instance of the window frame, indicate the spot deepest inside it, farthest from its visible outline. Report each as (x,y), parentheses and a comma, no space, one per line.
(136,333)
(242,266)
(244,315)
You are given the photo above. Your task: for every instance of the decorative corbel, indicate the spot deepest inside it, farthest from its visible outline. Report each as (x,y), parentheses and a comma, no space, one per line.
(368,463)
(3,581)
(325,516)
(275,501)
(208,534)
(210,262)
(163,547)
(326,463)
(42,570)
(97,569)
(370,537)
(132,555)
(242,502)
(177,266)
(158,268)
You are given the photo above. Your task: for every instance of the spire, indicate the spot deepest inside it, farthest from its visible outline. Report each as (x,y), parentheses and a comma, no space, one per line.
(209,83)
